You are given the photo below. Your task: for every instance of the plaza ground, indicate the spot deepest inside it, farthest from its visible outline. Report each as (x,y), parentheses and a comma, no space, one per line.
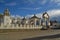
(27,34)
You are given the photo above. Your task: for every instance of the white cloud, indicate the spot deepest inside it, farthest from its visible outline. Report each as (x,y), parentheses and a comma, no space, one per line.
(30,8)
(56,2)
(43,2)
(51,13)
(28,16)
(38,15)
(2,1)
(30,2)
(11,4)
(16,16)
(54,14)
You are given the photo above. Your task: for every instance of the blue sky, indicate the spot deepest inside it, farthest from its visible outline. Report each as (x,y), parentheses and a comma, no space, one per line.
(30,7)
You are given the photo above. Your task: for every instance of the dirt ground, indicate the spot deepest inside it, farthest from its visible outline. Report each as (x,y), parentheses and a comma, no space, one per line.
(25,34)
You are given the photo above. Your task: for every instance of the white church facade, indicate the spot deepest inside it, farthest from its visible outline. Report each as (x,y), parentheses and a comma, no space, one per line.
(9,22)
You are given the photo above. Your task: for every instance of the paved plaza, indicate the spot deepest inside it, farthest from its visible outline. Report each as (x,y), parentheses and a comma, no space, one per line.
(31,35)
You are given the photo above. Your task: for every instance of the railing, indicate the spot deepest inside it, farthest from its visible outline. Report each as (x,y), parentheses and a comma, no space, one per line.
(20,27)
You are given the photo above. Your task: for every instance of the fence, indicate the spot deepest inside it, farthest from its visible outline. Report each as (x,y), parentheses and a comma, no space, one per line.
(16,26)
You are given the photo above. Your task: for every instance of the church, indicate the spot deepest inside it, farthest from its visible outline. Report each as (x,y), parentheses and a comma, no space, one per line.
(34,22)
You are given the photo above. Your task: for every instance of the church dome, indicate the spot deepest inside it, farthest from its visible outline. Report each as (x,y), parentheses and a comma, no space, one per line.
(45,15)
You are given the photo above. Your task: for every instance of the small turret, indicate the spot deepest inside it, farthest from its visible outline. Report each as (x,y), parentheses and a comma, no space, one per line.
(6,12)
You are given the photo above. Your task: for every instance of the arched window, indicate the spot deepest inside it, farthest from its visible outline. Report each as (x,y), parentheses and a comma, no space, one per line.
(37,22)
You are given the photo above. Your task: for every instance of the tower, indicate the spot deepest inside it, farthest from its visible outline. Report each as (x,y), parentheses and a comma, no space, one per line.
(45,23)
(6,12)
(6,15)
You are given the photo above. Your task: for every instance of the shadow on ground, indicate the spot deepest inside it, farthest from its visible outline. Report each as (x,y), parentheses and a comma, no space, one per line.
(44,37)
